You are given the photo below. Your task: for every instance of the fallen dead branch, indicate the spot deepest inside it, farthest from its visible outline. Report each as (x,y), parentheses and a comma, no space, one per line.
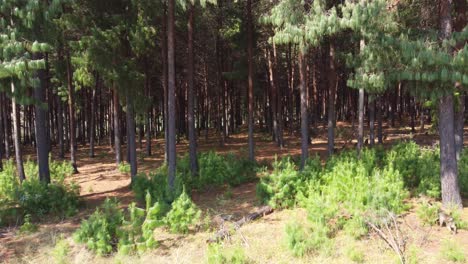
(224,233)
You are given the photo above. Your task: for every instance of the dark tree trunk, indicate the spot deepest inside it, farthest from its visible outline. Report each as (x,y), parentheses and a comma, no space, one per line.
(191,97)
(171,126)
(448,162)
(42,143)
(2,135)
(92,119)
(148,118)
(250,80)
(117,136)
(361,122)
(15,118)
(304,112)
(131,145)
(6,127)
(331,99)
(71,109)
(371,123)
(379,122)
(60,126)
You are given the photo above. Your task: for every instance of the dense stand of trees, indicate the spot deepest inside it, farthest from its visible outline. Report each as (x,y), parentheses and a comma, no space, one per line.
(83,72)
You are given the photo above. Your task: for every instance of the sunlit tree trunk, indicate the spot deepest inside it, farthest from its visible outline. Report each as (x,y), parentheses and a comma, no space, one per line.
(16,135)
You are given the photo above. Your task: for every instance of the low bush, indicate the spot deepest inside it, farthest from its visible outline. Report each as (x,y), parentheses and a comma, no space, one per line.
(182,215)
(217,255)
(428,213)
(280,187)
(61,251)
(99,231)
(452,251)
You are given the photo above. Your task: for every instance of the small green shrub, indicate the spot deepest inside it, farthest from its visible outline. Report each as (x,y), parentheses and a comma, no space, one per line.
(428,213)
(183,214)
(355,255)
(9,182)
(124,168)
(280,188)
(452,251)
(99,231)
(405,156)
(61,251)
(302,240)
(28,227)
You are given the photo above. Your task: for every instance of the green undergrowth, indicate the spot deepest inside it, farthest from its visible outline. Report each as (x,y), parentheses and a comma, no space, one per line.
(111,228)
(347,193)
(34,198)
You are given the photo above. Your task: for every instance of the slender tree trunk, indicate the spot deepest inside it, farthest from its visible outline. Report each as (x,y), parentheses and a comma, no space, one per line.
(60,126)
(6,127)
(131,145)
(2,135)
(371,123)
(250,80)
(304,112)
(448,162)
(71,108)
(421,119)
(164,80)
(191,95)
(92,120)
(361,122)
(379,121)
(15,117)
(42,143)
(171,137)
(117,136)
(148,118)
(331,99)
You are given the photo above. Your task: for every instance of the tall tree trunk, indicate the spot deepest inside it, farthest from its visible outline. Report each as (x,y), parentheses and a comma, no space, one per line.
(6,126)
(304,112)
(361,122)
(131,145)
(71,109)
(148,117)
(42,143)
(117,134)
(274,99)
(191,95)
(15,117)
(448,162)
(60,126)
(379,121)
(164,79)
(92,119)
(250,80)
(331,99)
(2,135)
(171,131)
(371,123)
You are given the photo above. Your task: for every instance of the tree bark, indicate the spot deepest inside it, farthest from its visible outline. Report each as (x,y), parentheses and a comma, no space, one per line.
(92,119)
(117,137)
(171,131)
(42,143)
(371,123)
(379,122)
(448,162)
(250,80)
(459,125)
(304,112)
(60,126)
(16,135)
(71,108)
(2,135)
(361,122)
(191,96)
(331,99)
(131,144)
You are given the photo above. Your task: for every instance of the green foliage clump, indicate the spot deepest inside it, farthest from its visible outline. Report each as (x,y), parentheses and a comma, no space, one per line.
(37,198)
(302,240)
(183,214)
(451,251)
(355,255)
(405,156)
(463,172)
(124,168)
(99,231)
(216,255)
(428,213)
(61,251)
(280,187)
(28,227)
(217,170)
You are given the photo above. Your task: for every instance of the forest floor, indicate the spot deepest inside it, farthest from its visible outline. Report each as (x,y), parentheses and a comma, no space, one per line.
(263,241)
